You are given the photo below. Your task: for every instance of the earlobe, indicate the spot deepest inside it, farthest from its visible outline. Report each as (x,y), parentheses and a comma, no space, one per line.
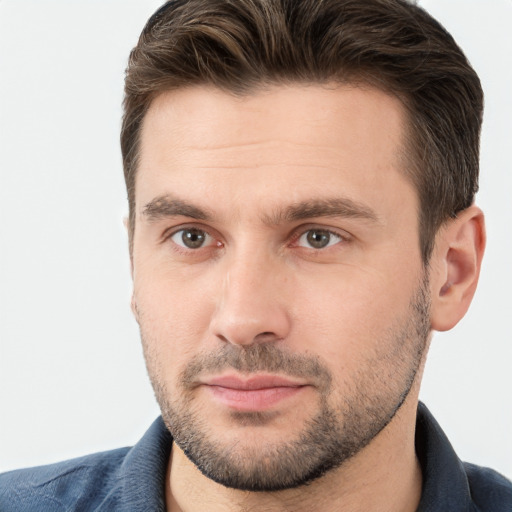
(456,263)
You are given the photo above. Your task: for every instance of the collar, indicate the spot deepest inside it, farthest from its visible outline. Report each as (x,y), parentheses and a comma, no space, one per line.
(445,484)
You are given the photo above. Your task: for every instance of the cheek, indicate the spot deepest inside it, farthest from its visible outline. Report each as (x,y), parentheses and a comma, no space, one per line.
(347,315)
(173,298)
(173,320)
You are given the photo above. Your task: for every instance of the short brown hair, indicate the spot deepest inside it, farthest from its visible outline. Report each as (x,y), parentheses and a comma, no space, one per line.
(242,45)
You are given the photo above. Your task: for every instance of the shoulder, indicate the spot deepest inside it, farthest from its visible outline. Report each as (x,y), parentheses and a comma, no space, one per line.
(127,479)
(63,486)
(489,489)
(450,484)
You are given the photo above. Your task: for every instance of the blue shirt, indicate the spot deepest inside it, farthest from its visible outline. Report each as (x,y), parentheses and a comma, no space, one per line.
(133,479)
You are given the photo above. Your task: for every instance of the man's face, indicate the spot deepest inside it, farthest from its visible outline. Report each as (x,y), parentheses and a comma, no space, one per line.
(278,281)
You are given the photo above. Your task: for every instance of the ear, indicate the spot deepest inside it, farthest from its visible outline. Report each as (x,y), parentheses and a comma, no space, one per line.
(126,223)
(133,305)
(455,267)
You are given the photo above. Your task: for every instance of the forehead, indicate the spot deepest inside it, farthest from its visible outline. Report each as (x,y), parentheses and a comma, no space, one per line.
(206,117)
(317,138)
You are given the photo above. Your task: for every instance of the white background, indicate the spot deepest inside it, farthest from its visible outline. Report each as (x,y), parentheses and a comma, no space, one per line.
(72,378)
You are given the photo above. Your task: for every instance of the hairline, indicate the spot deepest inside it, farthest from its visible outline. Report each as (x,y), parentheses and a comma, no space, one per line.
(407,158)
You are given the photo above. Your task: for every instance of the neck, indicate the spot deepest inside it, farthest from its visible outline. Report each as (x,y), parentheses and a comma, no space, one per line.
(384,477)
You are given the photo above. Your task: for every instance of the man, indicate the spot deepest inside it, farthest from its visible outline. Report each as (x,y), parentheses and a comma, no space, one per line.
(301,179)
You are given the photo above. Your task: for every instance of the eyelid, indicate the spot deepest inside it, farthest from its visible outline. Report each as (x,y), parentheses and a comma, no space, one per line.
(303,229)
(208,239)
(171,231)
(297,233)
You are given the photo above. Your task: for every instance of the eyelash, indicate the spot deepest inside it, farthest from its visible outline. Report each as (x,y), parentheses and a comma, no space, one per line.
(169,234)
(303,232)
(295,238)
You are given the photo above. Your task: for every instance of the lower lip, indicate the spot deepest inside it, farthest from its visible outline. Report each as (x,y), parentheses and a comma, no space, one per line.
(253,399)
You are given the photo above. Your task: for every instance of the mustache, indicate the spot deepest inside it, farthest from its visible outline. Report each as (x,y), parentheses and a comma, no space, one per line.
(261,357)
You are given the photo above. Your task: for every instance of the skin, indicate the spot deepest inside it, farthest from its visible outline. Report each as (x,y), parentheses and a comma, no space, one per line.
(229,167)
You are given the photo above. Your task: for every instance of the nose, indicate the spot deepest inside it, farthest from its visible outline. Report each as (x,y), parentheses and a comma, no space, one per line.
(251,305)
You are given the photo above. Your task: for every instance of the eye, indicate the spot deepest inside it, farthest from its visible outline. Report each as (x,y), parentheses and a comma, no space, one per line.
(191,238)
(318,239)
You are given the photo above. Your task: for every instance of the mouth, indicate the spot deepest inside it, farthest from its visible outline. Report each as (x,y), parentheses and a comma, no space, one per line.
(257,393)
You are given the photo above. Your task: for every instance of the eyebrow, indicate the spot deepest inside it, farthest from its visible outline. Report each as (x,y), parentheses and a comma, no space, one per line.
(330,207)
(167,206)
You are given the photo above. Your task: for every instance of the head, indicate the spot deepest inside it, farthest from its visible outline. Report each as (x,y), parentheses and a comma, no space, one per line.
(392,45)
(290,165)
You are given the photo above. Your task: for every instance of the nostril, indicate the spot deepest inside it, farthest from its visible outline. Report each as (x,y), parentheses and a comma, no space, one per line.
(266,336)
(262,337)
(242,323)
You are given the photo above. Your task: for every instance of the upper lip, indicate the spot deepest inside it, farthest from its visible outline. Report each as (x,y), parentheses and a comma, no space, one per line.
(252,383)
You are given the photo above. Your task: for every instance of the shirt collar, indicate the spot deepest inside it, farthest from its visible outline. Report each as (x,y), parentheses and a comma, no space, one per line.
(445,485)
(143,472)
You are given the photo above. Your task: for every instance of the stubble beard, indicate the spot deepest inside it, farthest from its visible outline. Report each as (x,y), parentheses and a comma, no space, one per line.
(334,435)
